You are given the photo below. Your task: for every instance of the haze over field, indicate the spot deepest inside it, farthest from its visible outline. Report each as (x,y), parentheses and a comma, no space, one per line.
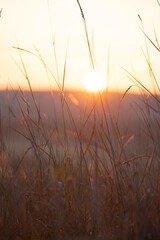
(128,114)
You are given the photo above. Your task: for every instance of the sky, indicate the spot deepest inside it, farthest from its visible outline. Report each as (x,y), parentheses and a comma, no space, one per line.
(115,36)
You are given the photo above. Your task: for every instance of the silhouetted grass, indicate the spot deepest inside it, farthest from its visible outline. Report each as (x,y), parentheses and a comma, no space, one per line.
(85,170)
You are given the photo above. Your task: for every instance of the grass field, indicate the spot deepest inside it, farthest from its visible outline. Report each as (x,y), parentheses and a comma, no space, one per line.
(78,171)
(78,165)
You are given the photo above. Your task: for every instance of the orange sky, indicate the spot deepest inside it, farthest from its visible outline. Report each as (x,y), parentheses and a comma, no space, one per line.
(114,25)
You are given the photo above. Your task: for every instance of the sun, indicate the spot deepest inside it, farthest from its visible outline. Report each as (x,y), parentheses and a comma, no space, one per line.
(94,81)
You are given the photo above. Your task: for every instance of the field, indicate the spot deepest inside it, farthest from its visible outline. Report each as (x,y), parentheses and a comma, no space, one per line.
(83,165)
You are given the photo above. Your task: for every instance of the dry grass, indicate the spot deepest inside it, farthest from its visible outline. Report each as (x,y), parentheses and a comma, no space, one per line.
(90,177)
(69,182)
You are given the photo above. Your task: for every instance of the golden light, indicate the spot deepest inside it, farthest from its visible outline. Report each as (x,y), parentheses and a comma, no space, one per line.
(94,81)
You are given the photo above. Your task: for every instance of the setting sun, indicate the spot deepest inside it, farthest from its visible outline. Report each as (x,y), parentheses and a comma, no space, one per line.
(94,81)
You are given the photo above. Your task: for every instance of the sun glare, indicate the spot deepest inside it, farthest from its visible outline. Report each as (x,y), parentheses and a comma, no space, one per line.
(94,81)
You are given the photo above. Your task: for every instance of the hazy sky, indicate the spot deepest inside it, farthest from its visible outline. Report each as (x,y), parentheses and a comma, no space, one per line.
(114,25)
